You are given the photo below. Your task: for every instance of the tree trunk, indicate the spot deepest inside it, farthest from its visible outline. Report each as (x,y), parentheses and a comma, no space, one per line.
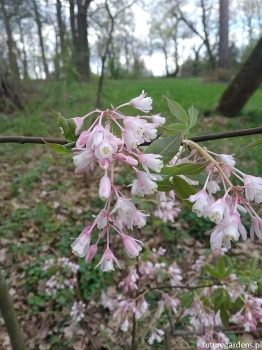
(9,91)
(10,42)
(223,35)
(24,55)
(61,33)
(82,58)
(40,36)
(244,84)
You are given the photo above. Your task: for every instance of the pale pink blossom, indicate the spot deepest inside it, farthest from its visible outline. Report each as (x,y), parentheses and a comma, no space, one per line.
(213,187)
(79,123)
(105,187)
(77,311)
(107,260)
(128,160)
(91,252)
(137,126)
(144,184)
(132,246)
(124,327)
(227,158)
(156,334)
(96,137)
(217,210)
(157,119)
(81,245)
(256,228)
(82,139)
(130,140)
(201,202)
(142,102)
(253,188)
(83,159)
(151,161)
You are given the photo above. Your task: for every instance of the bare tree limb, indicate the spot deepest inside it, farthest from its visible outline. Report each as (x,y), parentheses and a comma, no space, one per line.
(202,138)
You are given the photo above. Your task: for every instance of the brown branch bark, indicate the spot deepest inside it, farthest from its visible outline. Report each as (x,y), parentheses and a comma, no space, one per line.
(208,137)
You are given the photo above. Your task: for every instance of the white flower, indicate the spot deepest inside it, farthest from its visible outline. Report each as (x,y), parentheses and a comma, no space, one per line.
(227,158)
(151,161)
(124,327)
(201,200)
(253,188)
(256,228)
(106,261)
(142,102)
(158,120)
(81,245)
(144,184)
(217,211)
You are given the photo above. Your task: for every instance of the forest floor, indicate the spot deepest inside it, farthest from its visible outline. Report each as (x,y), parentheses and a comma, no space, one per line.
(44,204)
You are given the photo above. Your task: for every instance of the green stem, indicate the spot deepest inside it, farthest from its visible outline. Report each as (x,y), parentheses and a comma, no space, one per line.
(208,157)
(9,316)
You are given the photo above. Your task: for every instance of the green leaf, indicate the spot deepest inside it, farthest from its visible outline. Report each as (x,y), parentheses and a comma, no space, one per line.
(184,169)
(186,300)
(224,315)
(60,149)
(177,111)
(251,145)
(212,272)
(166,147)
(183,190)
(68,126)
(193,114)
(217,303)
(237,305)
(172,129)
(221,267)
(164,186)
(218,292)
(228,271)
(227,300)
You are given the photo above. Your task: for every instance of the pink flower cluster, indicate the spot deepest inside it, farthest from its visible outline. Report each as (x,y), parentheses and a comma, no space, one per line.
(64,276)
(225,211)
(78,311)
(98,145)
(124,306)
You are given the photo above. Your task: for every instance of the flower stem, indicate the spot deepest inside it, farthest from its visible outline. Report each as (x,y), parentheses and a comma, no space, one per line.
(210,158)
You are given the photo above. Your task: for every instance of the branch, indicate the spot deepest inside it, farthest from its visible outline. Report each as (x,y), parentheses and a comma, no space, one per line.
(208,137)
(9,316)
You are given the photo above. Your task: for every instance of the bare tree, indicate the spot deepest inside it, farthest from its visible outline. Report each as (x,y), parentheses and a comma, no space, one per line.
(7,14)
(207,27)
(38,21)
(223,57)
(61,34)
(107,26)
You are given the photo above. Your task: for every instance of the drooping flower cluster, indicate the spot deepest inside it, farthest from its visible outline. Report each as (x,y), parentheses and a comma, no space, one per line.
(225,211)
(98,145)
(64,274)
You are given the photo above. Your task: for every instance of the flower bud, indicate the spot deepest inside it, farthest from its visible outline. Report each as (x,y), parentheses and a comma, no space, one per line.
(105,187)
(127,159)
(91,252)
